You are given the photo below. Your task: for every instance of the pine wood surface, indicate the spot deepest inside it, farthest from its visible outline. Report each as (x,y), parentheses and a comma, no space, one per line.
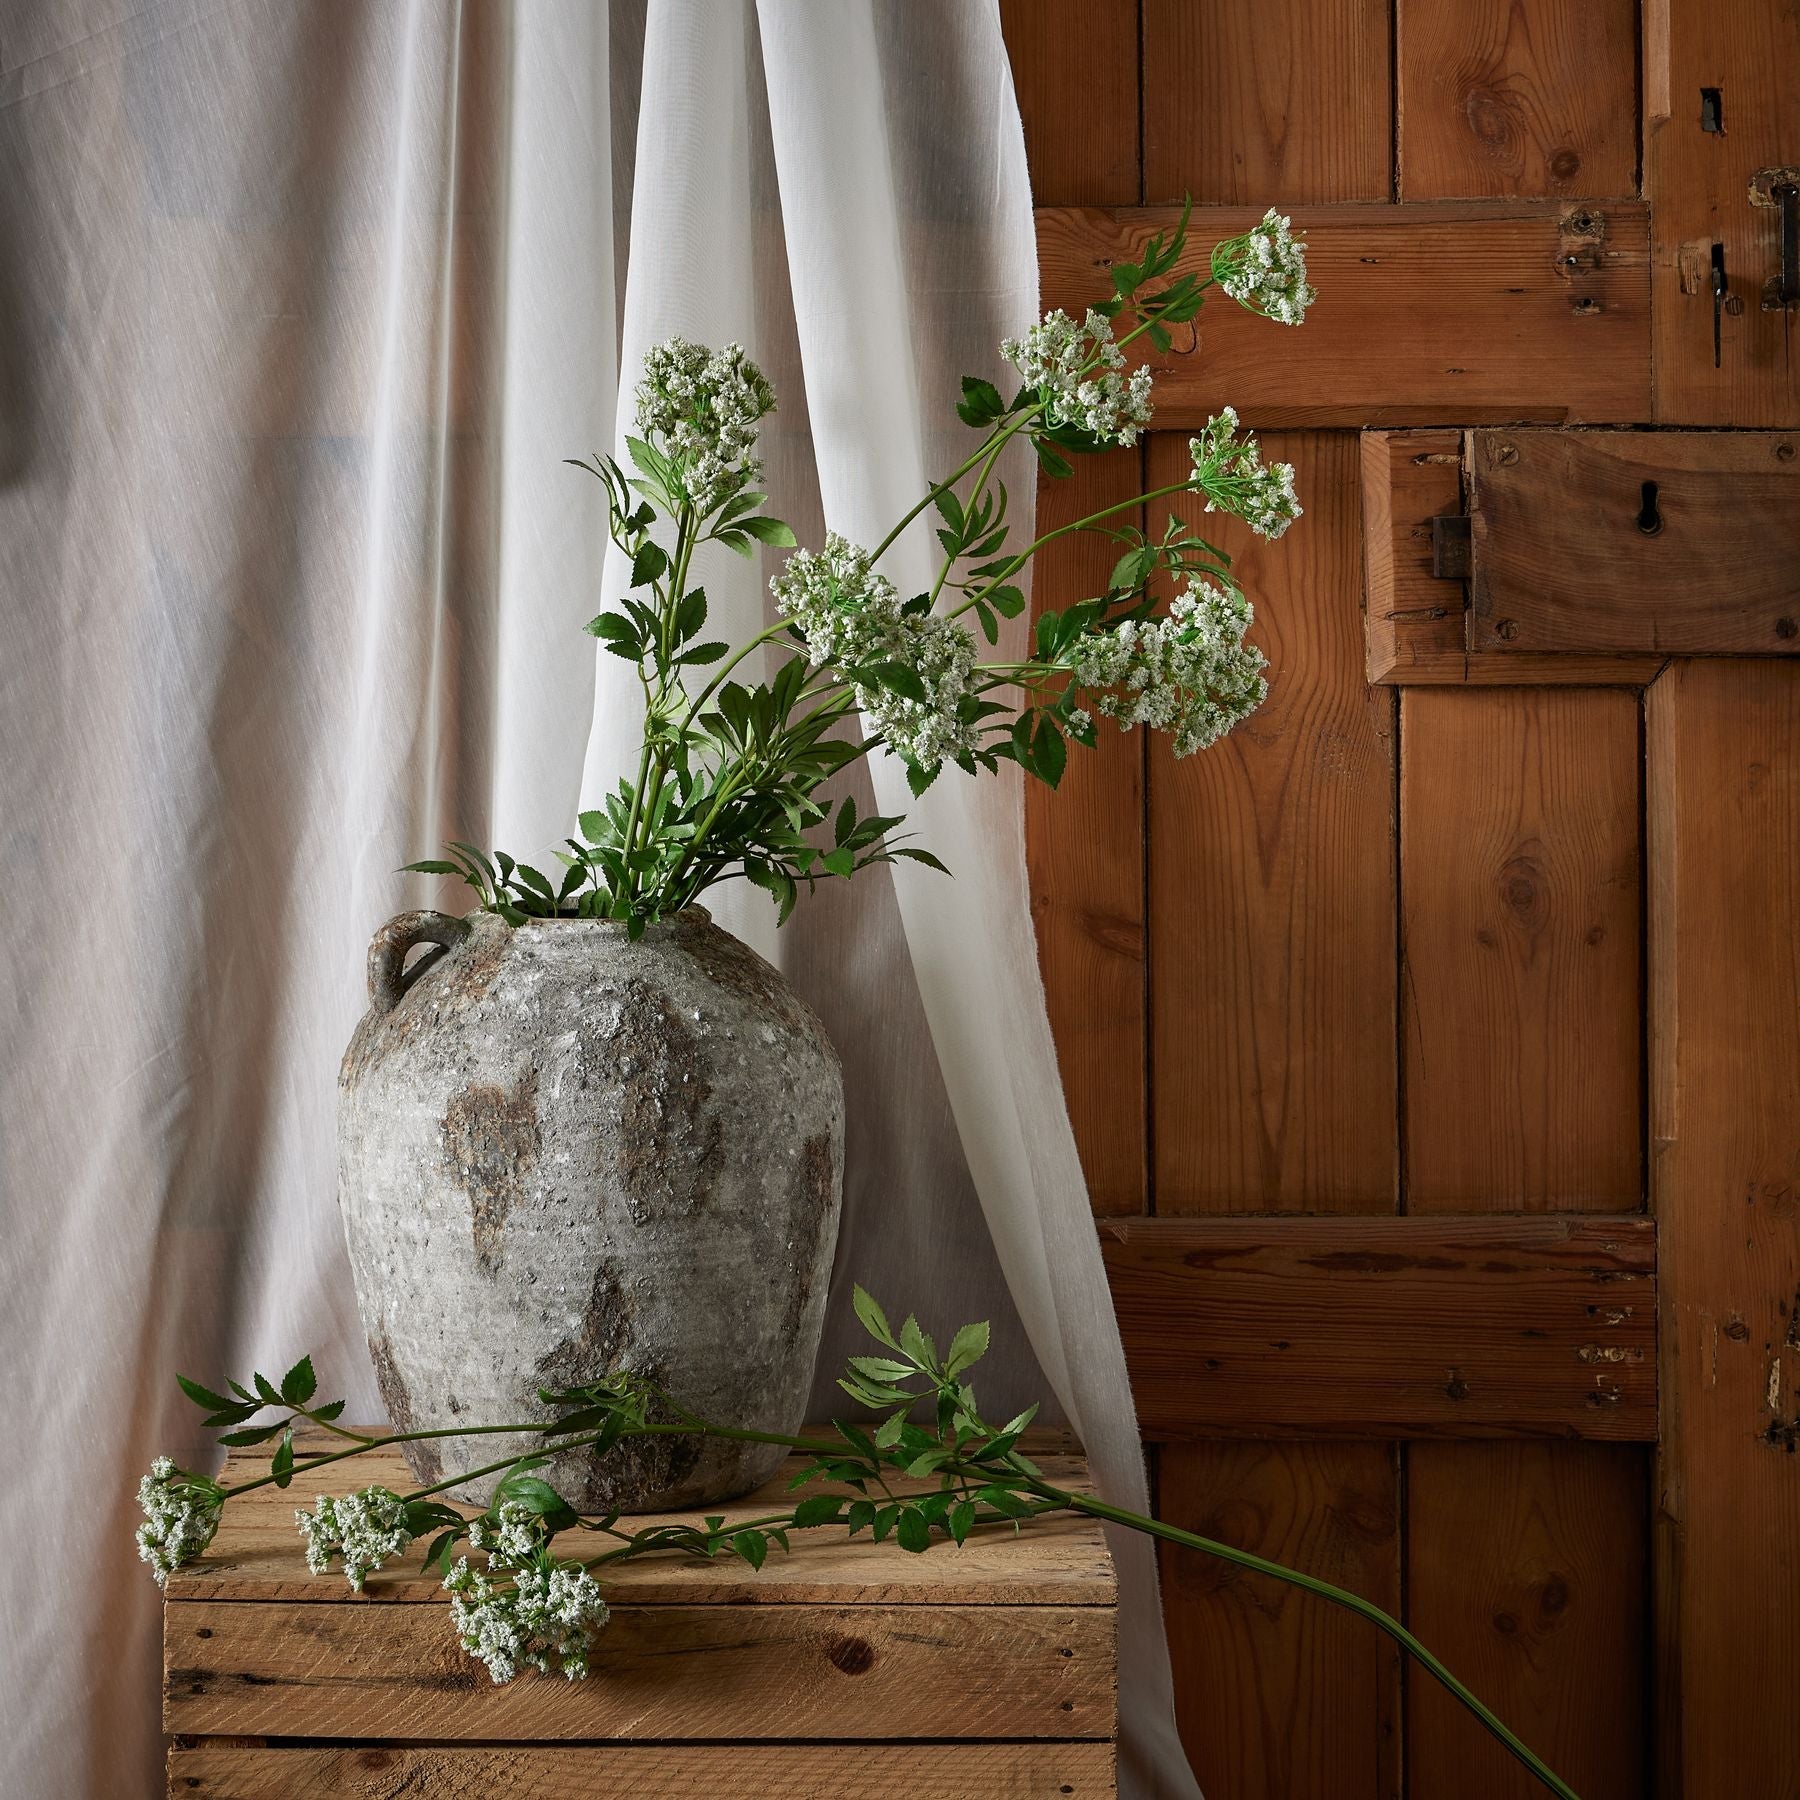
(1085,852)
(1009,1771)
(1700,184)
(1724,832)
(258,1553)
(1296,102)
(1525,1569)
(1514,97)
(1561,561)
(1075,70)
(1388,1327)
(1272,889)
(1286,1697)
(699,1673)
(1416,624)
(1520,948)
(1436,313)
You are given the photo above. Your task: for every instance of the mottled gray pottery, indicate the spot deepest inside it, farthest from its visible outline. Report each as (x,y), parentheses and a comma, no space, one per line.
(562,1153)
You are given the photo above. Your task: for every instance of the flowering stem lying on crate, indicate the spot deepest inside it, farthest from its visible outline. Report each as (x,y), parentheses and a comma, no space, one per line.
(530,1607)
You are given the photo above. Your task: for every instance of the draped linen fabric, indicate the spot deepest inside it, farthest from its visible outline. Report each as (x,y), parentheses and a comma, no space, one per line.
(300,307)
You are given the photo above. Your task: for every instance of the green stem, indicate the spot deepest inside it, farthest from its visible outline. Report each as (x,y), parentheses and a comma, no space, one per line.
(1117,1515)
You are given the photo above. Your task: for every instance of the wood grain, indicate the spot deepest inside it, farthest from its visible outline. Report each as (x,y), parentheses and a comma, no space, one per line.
(1075,71)
(1521,947)
(257,1555)
(1271,883)
(1516,97)
(1724,818)
(1562,561)
(1699,182)
(1388,1327)
(1016,1771)
(1267,103)
(1084,847)
(1415,622)
(1440,313)
(1308,1695)
(1529,1559)
(705,1673)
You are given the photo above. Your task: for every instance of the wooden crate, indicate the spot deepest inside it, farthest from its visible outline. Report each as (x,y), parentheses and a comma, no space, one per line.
(841,1670)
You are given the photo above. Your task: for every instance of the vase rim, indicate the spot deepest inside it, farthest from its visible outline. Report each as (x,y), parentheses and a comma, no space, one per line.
(688,915)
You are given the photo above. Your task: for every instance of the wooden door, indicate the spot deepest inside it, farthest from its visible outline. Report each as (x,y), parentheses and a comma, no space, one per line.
(1432,1043)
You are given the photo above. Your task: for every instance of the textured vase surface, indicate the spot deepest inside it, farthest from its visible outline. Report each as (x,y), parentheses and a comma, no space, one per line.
(563,1153)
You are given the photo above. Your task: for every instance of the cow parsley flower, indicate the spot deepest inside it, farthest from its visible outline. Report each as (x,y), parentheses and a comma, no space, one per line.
(1190,674)
(701,408)
(1229,471)
(545,1620)
(1265,270)
(851,618)
(1077,372)
(511,1534)
(366,1529)
(181,1516)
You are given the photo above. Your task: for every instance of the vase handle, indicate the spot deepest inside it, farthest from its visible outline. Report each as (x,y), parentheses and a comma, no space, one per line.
(389,978)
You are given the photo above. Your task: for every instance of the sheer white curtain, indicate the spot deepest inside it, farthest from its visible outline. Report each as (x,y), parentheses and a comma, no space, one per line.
(299,308)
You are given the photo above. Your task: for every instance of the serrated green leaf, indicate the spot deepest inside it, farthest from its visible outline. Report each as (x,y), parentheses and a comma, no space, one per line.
(203,1396)
(299,1384)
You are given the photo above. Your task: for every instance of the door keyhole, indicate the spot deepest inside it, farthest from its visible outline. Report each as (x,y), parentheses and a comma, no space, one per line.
(1649,520)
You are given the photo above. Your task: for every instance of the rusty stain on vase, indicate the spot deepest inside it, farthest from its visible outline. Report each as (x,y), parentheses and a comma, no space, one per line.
(561,1154)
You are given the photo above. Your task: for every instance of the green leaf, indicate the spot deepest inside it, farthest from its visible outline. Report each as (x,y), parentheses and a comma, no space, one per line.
(968,1346)
(709,652)
(897,678)
(203,1396)
(885,1521)
(874,1320)
(962,1520)
(299,1384)
(914,1534)
(818,1509)
(861,1516)
(424,868)
(281,1465)
(769,531)
(614,626)
(919,778)
(257,1434)
(752,1547)
(1050,753)
(325,1414)
(649,564)
(1003,1500)
(913,853)
(882,1368)
(887,1434)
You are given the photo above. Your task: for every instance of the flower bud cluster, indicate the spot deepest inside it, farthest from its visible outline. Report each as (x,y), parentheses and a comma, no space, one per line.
(365,1529)
(1265,270)
(1190,674)
(1229,471)
(1078,372)
(702,408)
(852,618)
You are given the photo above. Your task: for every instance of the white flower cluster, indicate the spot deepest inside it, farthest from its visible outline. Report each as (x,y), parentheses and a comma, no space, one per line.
(1076,370)
(544,1621)
(181,1516)
(512,1533)
(1229,471)
(702,407)
(852,618)
(1265,270)
(1191,673)
(366,1529)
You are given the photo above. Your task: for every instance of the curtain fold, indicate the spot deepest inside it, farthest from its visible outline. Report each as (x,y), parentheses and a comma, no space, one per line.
(300,308)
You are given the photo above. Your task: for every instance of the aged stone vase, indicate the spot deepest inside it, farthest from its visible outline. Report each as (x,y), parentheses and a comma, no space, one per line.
(562,1153)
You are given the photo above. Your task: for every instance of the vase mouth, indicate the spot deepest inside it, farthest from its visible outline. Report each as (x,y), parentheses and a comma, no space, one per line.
(688,915)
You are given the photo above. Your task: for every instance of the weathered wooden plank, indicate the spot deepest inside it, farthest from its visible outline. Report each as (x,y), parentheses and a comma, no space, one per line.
(1084,846)
(1388,1327)
(1415,622)
(705,1673)
(1744,54)
(1724,834)
(1516,97)
(1440,313)
(1521,949)
(1665,542)
(1271,882)
(1529,1559)
(1267,102)
(1015,1771)
(257,1555)
(1311,1694)
(1075,71)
